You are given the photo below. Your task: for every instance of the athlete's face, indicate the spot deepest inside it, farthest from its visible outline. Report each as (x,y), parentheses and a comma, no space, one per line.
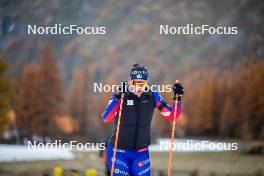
(138,86)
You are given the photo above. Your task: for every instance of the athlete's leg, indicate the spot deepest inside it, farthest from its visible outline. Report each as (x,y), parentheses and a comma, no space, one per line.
(121,167)
(141,164)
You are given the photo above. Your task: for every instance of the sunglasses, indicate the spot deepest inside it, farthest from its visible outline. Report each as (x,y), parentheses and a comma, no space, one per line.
(139,83)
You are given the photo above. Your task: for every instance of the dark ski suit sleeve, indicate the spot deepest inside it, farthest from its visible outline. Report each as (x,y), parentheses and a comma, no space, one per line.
(166,110)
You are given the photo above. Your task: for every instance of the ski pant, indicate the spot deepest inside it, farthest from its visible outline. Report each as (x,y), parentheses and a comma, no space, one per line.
(129,163)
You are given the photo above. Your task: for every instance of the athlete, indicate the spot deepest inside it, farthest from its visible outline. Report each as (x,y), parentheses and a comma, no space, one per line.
(132,155)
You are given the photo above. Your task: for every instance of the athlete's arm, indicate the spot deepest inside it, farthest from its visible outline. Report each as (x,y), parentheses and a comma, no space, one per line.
(111,109)
(166,110)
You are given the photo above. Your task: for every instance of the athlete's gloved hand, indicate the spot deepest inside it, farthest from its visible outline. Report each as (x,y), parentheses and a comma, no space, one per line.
(178,89)
(122,88)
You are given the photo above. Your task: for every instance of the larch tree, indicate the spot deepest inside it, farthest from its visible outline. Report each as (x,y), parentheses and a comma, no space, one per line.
(50,91)
(27,101)
(77,99)
(5,94)
(202,120)
(251,108)
(40,96)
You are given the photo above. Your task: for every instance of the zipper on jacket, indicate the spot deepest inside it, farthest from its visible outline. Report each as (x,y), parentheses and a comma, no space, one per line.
(137,123)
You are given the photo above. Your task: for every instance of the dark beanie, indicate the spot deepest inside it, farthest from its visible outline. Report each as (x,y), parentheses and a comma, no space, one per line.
(138,72)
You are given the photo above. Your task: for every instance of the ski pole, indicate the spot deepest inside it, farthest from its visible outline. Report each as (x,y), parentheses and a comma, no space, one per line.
(117,133)
(175,98)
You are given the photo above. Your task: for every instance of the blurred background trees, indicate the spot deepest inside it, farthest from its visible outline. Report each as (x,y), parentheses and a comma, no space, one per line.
(77,99)
(226,103)
(53,83)
(40,96)
(5,94)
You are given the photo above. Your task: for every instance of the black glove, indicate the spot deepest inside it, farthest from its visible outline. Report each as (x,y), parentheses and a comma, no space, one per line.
(122,88)
(178,89)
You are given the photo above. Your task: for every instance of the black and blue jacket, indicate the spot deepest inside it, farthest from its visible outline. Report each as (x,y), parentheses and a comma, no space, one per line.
(136,118)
